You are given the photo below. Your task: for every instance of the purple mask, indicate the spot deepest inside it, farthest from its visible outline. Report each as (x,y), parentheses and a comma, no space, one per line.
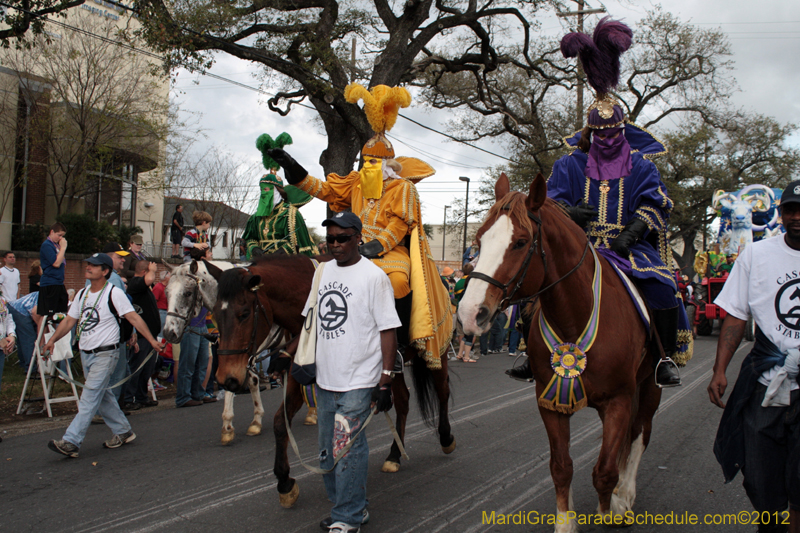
(609,159)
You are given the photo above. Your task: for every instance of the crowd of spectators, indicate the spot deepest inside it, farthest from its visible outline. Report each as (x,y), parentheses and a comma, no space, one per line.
(142,288)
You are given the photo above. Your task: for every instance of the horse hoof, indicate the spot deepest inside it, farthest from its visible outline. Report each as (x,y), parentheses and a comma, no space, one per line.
(290,498)
(227,438)
(451,448)
(253,430)
(390,467)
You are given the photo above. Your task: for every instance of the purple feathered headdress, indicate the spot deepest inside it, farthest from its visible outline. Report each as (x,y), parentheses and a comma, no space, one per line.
(600,59)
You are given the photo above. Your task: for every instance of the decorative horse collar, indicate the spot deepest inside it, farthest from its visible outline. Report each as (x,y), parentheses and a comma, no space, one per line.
(565,392)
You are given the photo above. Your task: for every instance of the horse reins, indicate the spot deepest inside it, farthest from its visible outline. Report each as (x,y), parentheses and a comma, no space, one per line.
(523,269)
(186,319)
(250,350)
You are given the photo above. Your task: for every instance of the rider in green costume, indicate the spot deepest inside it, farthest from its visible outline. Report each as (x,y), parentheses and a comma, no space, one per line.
(277,225)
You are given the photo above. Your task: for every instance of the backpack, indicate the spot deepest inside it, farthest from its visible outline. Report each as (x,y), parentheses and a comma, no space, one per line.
(125,327)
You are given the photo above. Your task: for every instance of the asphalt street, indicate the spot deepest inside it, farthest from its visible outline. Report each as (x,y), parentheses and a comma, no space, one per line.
(176,476)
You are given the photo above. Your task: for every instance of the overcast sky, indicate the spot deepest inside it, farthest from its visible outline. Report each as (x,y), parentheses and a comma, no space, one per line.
(765,39)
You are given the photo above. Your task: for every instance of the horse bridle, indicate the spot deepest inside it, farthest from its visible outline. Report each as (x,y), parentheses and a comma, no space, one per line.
(186,319)
(523,269)
(250,350)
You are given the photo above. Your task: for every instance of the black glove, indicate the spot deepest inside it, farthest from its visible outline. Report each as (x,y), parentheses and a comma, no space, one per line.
(293,171)
(279,364)
(582,214)
(212,337)
(382,397)
(633,231)
(371,250)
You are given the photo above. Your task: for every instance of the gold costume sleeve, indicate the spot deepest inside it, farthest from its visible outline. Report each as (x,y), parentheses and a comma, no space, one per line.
(336,191)
(399,216)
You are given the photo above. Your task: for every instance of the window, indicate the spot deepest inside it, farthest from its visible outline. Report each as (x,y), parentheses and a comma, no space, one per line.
(111,196)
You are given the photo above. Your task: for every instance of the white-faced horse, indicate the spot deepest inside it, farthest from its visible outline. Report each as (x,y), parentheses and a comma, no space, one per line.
(191,287)
(587,344)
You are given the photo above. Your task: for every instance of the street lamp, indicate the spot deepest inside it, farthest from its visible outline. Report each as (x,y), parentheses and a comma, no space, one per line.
(466,212)
(444,230)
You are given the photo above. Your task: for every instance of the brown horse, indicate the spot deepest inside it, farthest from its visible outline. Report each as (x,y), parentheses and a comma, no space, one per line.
(263,302)
(529,247)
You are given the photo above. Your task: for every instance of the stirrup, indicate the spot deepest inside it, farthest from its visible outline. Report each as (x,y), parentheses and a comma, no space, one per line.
(667,360)
(398,362)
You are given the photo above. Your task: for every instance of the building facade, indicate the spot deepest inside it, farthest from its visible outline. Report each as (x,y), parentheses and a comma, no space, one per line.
(85,136)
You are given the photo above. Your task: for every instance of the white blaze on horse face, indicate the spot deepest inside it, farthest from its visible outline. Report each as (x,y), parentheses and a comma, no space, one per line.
(494,243)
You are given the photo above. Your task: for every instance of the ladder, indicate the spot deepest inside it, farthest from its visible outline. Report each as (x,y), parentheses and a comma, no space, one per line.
(47,374)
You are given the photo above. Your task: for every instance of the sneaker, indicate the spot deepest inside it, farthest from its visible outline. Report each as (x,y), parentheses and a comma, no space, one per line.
(209,398)
(118,440)
(512,354)
(328,522)
(341,527)
(64,447)
(131,406)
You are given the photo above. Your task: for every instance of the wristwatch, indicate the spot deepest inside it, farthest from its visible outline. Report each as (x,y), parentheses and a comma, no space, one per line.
(389,373)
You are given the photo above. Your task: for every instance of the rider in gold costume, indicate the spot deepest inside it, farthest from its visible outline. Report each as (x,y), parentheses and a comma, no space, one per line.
(384,197)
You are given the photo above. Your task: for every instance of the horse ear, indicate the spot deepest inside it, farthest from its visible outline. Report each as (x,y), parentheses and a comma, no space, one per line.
(215,272)
(502,187)
(193,267)
(253,282)
(537,193)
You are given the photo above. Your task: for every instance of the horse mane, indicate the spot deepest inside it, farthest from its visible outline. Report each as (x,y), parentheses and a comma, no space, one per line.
(513,204)
(230,284)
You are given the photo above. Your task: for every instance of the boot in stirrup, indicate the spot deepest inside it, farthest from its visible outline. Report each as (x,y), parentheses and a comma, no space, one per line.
(667,373)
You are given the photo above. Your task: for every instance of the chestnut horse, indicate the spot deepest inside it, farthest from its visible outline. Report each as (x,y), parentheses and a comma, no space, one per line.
(192,286)
(264,301)
(530,247)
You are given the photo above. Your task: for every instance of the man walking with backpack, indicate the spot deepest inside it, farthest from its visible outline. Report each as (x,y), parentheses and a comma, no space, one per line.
(98,336)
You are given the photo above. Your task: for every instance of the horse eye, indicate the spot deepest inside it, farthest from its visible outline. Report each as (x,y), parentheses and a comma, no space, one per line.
(188,294)
(520,244)
(244,316)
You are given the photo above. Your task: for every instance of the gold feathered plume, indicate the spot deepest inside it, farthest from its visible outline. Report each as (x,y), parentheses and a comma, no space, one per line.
(381,103)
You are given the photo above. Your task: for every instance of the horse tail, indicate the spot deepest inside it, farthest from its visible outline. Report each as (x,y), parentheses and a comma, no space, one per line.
(427,400)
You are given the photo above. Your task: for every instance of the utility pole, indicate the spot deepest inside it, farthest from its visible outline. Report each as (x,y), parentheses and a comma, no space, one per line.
(466,212)
(444,230)
(579,85)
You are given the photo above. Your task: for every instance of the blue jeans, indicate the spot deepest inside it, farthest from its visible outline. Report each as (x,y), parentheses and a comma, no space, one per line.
(192,365)
(121,371)
(162,313)
(513,340)
(97,369)
(498,332)
(340,416)
(26,337)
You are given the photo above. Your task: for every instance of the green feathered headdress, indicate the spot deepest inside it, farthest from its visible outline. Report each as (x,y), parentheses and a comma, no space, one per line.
(265,142)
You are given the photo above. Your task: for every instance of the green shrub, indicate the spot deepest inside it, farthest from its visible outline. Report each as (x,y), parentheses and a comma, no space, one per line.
(125,232)
(28,237)
(85,235)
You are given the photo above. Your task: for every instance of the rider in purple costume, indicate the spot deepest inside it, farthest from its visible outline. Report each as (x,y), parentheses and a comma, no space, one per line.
(611,189)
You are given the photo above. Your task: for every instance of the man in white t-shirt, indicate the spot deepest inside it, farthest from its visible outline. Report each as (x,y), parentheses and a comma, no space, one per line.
(98,337)
(759,432)
(9,277)
(356,345)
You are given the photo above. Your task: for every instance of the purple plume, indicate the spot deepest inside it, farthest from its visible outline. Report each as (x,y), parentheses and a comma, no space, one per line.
(600,53)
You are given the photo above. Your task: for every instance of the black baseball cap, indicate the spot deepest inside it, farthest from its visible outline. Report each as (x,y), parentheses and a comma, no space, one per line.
(345,219)
(101,259)
(791,194)
(114,248)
